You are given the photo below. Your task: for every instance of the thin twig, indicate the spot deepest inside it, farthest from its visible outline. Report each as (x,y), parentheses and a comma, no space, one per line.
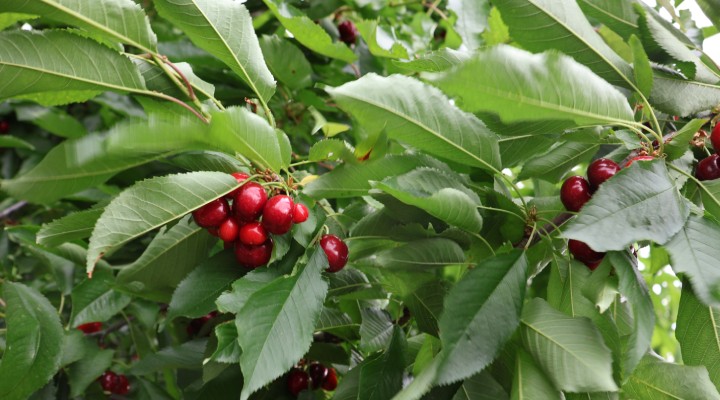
(547,229)
(15,207)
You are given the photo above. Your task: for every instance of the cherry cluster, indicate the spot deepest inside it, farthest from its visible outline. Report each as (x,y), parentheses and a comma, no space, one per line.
(114,383)
(317,376)
(709,168)
(575,192)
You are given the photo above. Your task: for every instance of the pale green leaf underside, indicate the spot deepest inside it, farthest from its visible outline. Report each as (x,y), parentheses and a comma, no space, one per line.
(655,379)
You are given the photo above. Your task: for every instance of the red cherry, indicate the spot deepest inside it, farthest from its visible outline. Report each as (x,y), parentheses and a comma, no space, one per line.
(249,201)
(715,137)
(601,170)
(228,230)
(318,374)
(708,168)
(593,266)
(253,256)
(90,327)
(109,380)
(212,214)
(240,177)
(277,216)
(639,158)
(574,193)
(348,32)
(252,234)
(297,381)
(300,213)
(122,386)
(4,127)
(336,251)
(197,324)
(214,231)
(583,253)
(331,381)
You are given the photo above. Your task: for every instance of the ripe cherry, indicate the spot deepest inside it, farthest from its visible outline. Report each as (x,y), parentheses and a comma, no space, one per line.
(331,381)
(197,324)
(249,201)
(252,234)
(348,32)
(90,327)
(336,251)
(300,213)
(123,386)
(109,380)
(228,230)
(574,193)
(253,256)
(593,266)
(318,374)
(277,215)
(639,158)
(4,127)
(240,177)
(708,168)
(297,381)
(715,138)
(583,253)
(212,214)
(601,170)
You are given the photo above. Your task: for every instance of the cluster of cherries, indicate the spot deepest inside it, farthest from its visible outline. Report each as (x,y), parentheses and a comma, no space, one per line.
(114,383)
(709,168)
(317,376)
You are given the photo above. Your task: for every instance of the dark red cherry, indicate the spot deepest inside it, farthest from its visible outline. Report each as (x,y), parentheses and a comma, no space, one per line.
(90,327)
(318,374)
(122,386)
(197,324)
(240,177)
(212,214)
(252,234)
(336,251)
(109,381)
(574,193)
(300,213)
(348,32)
(331,381)
(228,230)
(593,266)
(298,381)
(253,256)
(277,215)
(4,127)
(601,170)
(249,201)
(708,168)
(715,138)
(639,158)
(583,253)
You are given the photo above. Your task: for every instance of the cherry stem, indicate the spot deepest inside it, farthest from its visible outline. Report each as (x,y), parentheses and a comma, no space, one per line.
(15,207)
(503,211)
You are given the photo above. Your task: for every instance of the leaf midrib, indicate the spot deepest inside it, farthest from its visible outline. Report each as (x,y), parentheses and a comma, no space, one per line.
(536,330)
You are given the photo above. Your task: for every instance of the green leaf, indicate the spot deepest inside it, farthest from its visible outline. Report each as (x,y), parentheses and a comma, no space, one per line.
(653,210)
(152,203)
(441,194)
(8,142)
(420,116)
(34,342)
(424,253)
(224,29)
(376,330)
(489,295)
(520,86)
(569,350)
(332,149)
(677,96)
(381,376)
(529,382)
(369,31)
(234,300)
(426,306)
(228,350)
(472,20)
(308,33)
(287,62)
(86,371)
(273,337)
(188,355)
(38,63)
(681,141)
(553,165)
(95,300)
(78,225)
(481,387)
(655,379)
(698,332)
(539,25)
(711,8)
(641,67)
(434,61)
(52,120)
(156,79)
(618,15)
(693,252)
(118,20)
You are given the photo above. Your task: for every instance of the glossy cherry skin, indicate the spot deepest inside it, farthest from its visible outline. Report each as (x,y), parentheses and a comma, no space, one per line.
(252,234)
(574,193)
(601,170)
(212,214)
(336,251)
(277,216)
(715,138)
(228,230)
(249,201)
(90,327)
(583,253)
(331,381)
(298,381)
(300,213)
(708,168)
(348,32)
(639,158)
(318,374)
(253,256)
(122,386)
(240,177)
(4,127)
(109,381)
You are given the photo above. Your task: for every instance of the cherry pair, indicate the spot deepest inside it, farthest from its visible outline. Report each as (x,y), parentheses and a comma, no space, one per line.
(317,376)
(114,383)
(709,167)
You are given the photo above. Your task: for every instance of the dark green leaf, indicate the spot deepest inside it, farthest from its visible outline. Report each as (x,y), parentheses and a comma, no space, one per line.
(529,382)
(78,225)
(382,376)
(375,331)
(86,371)
(553,165)
(287,62)
(95,300)
(188,355)
(698,330)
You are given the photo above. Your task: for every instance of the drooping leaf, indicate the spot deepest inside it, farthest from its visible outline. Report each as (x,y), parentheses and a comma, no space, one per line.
(95,300)
(34,342)
(228,350)
(698,332)
(287,62)
(78,225)
(529,382)
(655,379)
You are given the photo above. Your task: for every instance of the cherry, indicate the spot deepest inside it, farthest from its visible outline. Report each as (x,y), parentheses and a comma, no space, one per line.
(90,327)
(348,32)
(196,324)
(298,381)
(4,127)
(601,170)
(593,266)
(249,201)
(240,177)
(336,251)
(122,386)
(331,381)
(212,214)
(252,234)
(708,168)
(300,213)
(318,374)
(277,216)
(109,381)
(715,137)
(639,158)
(583,253)
(253,256)
(574,193)
(228,230)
